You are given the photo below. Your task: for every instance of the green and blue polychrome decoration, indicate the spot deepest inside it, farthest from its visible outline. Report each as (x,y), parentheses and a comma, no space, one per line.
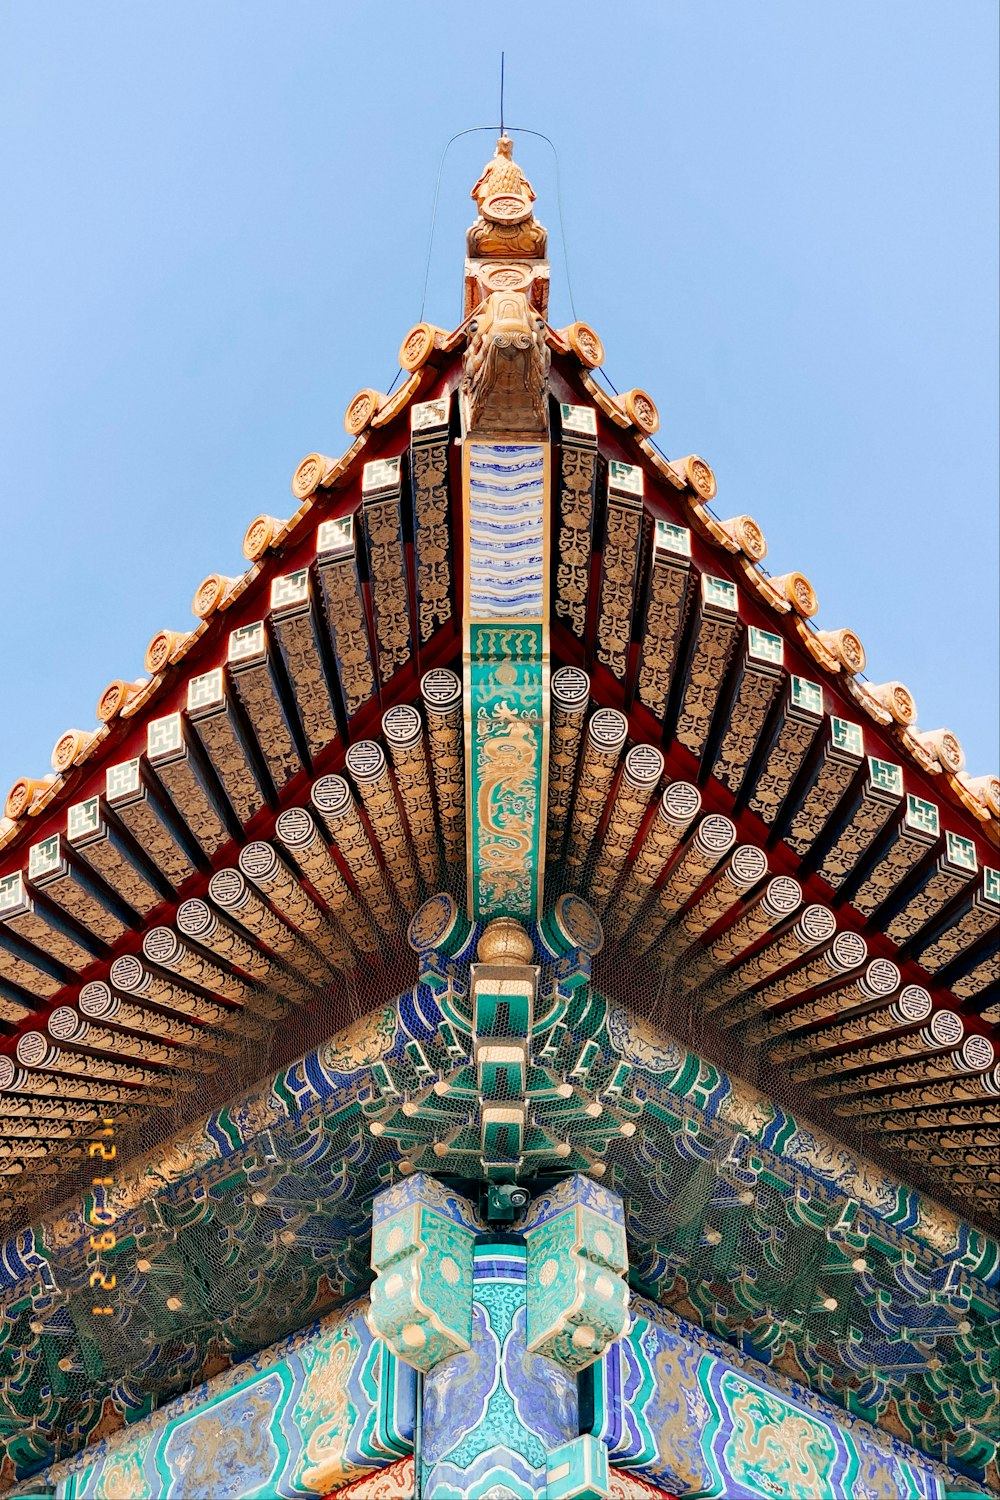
(506,666)
(660,1398)
(579,1470)
(327,1405)
(577,1265)
(507,684)
(422,1243)
(492,1414)
(687,1413)
(500,1326)
(733,1208)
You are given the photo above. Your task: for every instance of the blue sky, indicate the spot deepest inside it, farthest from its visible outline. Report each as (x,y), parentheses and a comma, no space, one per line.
(781,217)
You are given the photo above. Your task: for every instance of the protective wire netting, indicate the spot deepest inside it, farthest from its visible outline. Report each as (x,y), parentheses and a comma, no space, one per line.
(218,1248)
(226,1251)
(664,985)
(755,1252)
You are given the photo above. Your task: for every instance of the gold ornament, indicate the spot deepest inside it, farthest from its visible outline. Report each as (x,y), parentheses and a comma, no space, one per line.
(506,208)
(506,367)
(22,794)
(505,941)
(506,225)
(897,699)
(210,594)
(261,534)
(505,278)
(115,698)
(642,410)
(163,649)
(393,405)
(417,347)
(585,344)
(361,410)
(985,788)
(69,747)
(796,588)
(845,646)
(944,746)
(747,535)
(698,475)
(311,475)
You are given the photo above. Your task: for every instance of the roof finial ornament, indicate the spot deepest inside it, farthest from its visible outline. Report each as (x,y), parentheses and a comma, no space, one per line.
(506,230)
(505,196)
(506,301)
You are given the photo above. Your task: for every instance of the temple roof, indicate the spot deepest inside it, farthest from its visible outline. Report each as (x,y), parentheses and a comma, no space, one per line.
(505,660)
(869,949)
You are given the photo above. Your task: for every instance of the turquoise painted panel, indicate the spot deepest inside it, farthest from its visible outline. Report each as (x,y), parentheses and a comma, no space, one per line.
(492,1415)
(327,1405)
(506,679)
(671,1408)
(577,1261)
(421,1298)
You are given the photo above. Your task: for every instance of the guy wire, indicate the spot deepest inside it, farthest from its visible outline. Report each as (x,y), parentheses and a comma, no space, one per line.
(517,130)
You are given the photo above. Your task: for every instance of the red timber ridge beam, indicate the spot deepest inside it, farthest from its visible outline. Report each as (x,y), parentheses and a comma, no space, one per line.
(244,600)
(282,773)
(712,792)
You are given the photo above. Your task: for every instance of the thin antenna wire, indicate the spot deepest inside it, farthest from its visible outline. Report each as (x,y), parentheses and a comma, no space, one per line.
(518,130)
(523,130)
(501,93)
(472,130)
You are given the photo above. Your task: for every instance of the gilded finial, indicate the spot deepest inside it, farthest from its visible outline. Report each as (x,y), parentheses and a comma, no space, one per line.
(506,226)
(507,287)
(504,941)
(502,178)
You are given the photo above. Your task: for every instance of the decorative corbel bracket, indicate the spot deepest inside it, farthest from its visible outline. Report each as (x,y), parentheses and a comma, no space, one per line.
(421,1298)
(577,1262)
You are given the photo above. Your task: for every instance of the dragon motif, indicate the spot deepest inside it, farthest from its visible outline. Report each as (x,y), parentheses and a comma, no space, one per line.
(506,797)
(506,367)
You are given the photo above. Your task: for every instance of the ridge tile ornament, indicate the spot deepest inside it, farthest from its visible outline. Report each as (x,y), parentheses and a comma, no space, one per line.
(506,369)
(505,231)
